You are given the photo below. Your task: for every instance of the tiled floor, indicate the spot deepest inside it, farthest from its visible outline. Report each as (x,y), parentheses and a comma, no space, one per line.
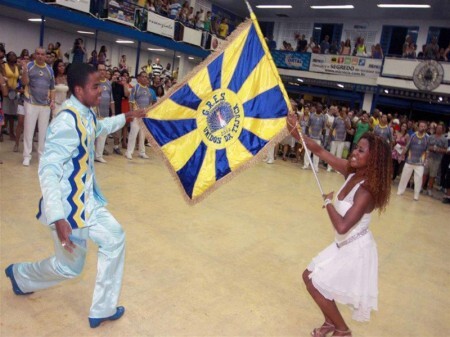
(229,266)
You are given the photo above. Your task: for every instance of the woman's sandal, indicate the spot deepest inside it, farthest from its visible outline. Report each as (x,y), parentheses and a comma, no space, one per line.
(324,330)
(346,333)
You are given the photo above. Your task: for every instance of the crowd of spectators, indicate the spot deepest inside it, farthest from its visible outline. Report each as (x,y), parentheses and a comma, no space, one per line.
(189,17)
(422,147)
(19,89)
(430,51)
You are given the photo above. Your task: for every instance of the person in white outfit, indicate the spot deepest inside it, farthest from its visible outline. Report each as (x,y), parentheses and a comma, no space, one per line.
(141,97)
(105,106)
(415,160)
(39,80)
(73,207)
(338,133)
(347,270)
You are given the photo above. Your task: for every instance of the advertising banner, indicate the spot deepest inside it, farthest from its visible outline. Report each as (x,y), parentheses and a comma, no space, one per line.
(192,36)
(345,65)
(122,12)
(160,25)
(291,60)
(79,5)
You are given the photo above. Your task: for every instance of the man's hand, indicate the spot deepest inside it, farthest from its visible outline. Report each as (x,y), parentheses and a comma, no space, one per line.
(63,230)
(292,125)
(140,113)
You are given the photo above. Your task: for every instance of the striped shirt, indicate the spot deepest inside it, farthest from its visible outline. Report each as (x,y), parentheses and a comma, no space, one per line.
(417,147)
(339,128)
(157,69)
(42,80)
(316,124)
(384,132)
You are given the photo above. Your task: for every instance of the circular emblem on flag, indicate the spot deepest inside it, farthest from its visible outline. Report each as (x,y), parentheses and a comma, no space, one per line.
(220,118)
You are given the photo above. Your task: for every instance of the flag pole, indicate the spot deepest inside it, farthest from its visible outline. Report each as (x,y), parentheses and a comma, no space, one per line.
(275,70)
(308,154)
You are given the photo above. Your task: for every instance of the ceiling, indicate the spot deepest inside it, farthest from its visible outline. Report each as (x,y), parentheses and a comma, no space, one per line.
(364,9)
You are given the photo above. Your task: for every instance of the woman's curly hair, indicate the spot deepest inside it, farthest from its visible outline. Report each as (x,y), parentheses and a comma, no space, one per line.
(379,170)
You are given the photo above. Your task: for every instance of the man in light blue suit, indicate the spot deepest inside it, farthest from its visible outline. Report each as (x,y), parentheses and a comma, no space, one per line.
(72,204)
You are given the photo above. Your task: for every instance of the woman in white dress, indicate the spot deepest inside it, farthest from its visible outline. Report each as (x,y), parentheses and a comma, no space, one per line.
(61,87)
(347,270)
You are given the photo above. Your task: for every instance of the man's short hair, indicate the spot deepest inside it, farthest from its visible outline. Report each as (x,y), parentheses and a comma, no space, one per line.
(78,75)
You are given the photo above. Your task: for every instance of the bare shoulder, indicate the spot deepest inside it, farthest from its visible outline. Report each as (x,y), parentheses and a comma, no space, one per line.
(364,197)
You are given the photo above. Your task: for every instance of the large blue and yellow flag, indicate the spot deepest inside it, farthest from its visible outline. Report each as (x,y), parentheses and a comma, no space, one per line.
(218,120)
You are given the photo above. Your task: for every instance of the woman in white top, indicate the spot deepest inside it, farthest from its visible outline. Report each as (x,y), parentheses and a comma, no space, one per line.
(61,87)
(347,270)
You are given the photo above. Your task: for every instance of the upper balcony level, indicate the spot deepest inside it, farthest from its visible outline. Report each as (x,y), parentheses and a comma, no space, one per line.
(398,77)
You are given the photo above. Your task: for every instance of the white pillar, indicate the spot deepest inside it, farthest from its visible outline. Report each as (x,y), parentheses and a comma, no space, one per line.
(367,103)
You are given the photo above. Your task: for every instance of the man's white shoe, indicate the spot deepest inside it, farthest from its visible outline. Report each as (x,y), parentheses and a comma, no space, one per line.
(144,156)
(304,167)
(101,160)
(269,161)
(26,162)
(128,156)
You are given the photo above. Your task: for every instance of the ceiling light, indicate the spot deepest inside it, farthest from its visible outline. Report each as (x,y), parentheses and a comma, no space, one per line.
(300,80)
(124,41)
(190,58)
(178,56)
(35,20)
(333,7)
(386,91)
(340,85)
(403,6)
(85,32)
(156,49)
(440,99)
(274,6)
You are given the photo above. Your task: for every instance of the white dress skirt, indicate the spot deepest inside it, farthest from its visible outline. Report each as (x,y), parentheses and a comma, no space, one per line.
(349,274)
